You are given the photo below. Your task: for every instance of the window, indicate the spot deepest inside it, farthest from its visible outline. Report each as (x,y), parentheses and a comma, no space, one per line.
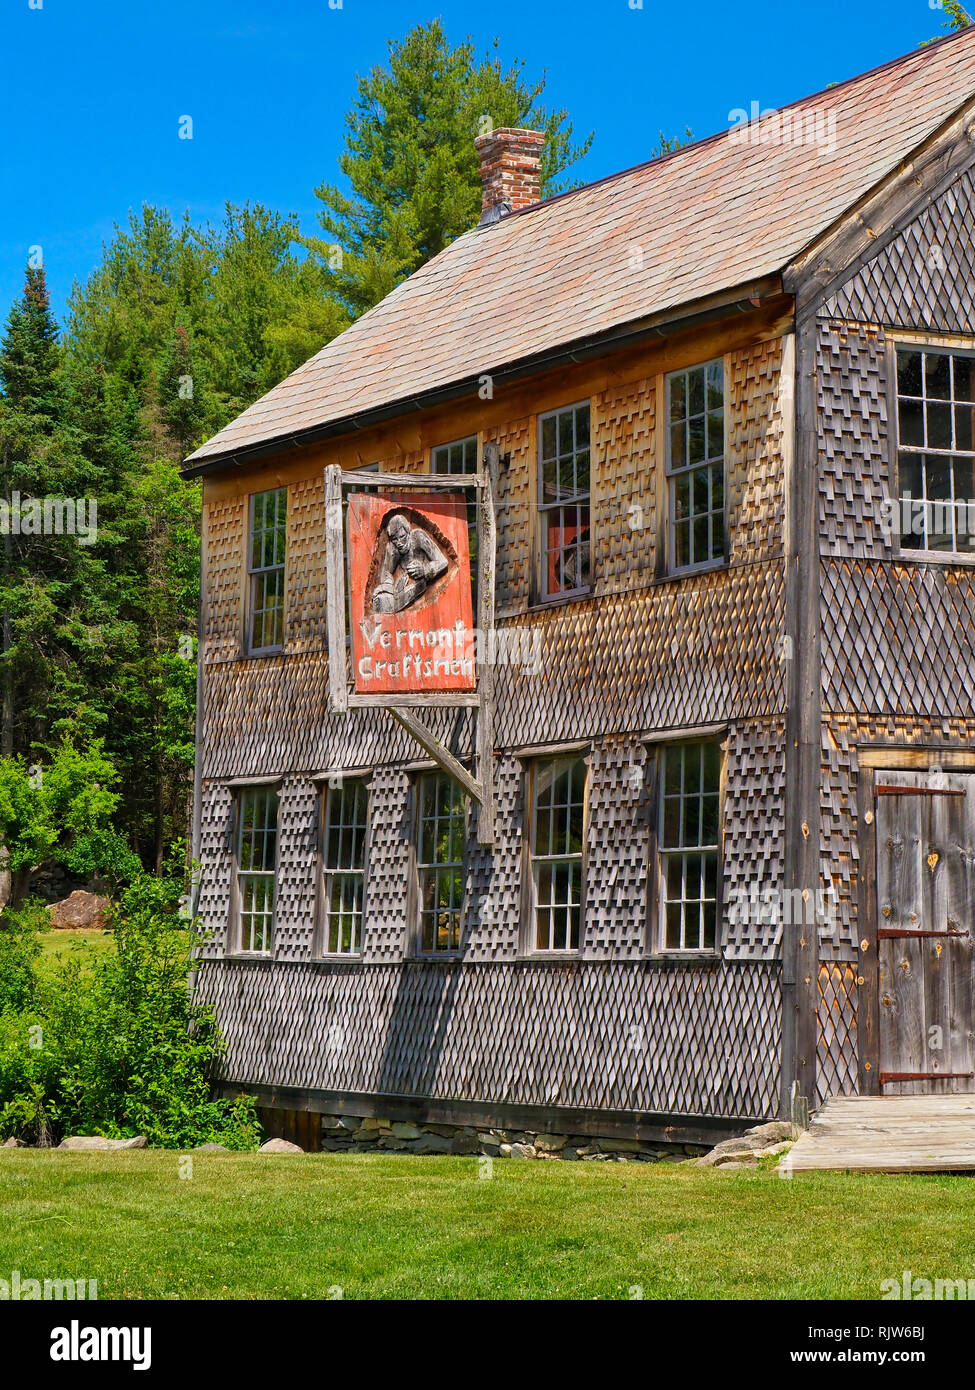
(558,803)
(344,867)
(257,856)
(268,531)
(695,465)
(689,837)
(563,500)
(461,457)
(440,862)
(936,448)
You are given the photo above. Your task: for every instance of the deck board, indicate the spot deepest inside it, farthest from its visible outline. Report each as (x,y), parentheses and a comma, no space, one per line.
(888,1134)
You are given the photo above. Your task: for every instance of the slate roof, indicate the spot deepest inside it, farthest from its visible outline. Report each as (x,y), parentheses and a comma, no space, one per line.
(712,216)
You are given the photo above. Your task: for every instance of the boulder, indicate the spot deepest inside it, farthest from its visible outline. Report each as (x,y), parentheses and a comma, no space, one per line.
(80,911)
(775,1132)
(404,1130)
(431,1144)
(211,1149)
(522,1151)
(280,1146)
(98,1142)
(551,1143)
(13,1143)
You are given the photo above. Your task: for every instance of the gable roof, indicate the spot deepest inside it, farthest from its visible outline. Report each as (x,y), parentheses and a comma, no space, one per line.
(714,215)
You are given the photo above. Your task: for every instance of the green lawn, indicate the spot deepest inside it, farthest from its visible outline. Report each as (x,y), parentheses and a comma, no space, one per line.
(399,1226)
(60,943)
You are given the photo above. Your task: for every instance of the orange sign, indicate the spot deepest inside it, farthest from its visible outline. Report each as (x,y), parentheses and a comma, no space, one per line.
(410,593)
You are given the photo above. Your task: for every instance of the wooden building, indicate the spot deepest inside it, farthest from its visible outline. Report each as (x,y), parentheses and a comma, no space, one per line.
(727,398)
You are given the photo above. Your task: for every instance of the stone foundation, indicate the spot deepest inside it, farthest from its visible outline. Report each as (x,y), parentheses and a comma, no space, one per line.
(352,1134)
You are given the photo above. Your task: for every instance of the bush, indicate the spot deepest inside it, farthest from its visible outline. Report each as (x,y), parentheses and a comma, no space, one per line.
(121,1050)
(19,949)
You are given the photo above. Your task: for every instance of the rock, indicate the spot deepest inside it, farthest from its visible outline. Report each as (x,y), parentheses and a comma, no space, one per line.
(280,1146)
(402,1130)
(551,1143)
(772,1133)
(464,1144)
(431,1144)
(13,1143)
(772,1150)
(80,911)
(211,1149)
(522,1151)
(339,1124)
(505,1151)
(96,1141)
(619,1146)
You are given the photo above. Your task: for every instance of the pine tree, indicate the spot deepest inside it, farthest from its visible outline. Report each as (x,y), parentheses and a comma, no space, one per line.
(28,351)
(412,164)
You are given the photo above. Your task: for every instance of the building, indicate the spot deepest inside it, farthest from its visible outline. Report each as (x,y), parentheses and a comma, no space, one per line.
(729,395)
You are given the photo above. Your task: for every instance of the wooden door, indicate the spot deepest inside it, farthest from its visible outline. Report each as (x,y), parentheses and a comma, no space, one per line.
(925,926)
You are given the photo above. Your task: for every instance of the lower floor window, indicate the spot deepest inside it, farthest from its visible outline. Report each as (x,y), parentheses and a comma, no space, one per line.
(690,788)
(257,859)
(442,833)
(344,866)
(557,832)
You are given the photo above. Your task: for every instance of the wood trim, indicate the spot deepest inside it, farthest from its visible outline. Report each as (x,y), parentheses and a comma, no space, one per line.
(552,750)
(868,1003)
(803,754)
(687,734)
(918,759)
(666,1127)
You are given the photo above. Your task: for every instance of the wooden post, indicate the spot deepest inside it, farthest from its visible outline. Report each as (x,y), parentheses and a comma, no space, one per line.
(440,755)
(335,590)
(486,562)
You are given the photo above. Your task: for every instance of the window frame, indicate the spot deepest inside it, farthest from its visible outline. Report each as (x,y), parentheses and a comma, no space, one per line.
(419,866)
(542,595)
(657,875)
(473,499)
(901,341)
(529,925)
(324,874)
(251,575)
(240,793)
(669,474)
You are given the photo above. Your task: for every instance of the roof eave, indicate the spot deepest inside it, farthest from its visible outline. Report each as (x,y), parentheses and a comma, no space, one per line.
(743,298)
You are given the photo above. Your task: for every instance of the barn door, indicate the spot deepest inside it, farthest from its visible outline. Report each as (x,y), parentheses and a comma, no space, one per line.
(925,897)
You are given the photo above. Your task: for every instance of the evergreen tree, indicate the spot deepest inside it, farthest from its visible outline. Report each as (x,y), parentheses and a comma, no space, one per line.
(28,352)
(412,165)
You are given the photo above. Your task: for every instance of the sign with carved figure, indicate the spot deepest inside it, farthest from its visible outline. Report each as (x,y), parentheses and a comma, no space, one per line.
(410,593)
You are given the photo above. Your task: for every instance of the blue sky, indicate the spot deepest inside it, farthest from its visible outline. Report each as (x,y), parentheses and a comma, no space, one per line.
(94,91)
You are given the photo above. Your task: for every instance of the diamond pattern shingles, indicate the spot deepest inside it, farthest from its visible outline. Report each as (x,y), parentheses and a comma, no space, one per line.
(711,216)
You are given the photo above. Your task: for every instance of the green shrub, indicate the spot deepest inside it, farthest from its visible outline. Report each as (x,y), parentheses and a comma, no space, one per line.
(121,1050)
(19,949)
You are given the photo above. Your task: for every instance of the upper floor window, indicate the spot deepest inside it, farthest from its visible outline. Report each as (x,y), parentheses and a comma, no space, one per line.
(936,449)
(689,838)
(563,500)
(459,457)
(695,465)
(265,567)
(257,864)
(344,867)
(440,861)
(558,813)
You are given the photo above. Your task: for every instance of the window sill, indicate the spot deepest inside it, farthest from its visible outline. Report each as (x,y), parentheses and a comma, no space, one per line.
(683,957)
(539,605)
(689,571)
(934,557)
(241,957)
(548,957)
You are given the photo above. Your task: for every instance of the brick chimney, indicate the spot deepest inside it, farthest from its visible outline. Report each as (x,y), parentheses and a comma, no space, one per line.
(511,171)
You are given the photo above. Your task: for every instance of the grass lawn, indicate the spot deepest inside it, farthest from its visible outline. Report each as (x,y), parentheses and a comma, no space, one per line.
(399,1226)
(60,943)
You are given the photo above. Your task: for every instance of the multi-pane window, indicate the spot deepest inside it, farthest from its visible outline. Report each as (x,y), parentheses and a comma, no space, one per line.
(557,834)
(690,782)
(344,866)
(257,851)
(563,500)
(695,464)
(265,562)
(936,448)
(461,457)
(441,836)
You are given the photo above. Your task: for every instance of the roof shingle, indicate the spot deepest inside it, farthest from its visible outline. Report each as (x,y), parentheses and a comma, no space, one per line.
(711,216)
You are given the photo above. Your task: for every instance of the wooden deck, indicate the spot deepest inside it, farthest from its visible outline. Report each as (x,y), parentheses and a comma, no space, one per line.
(888,1134)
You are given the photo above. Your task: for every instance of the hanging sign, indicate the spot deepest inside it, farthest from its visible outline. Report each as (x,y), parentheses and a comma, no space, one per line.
(410,593)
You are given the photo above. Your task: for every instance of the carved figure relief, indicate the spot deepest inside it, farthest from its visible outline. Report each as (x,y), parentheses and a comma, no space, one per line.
(411,562)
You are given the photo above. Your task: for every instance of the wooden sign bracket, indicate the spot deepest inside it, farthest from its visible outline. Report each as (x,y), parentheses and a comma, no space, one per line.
(479,786)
